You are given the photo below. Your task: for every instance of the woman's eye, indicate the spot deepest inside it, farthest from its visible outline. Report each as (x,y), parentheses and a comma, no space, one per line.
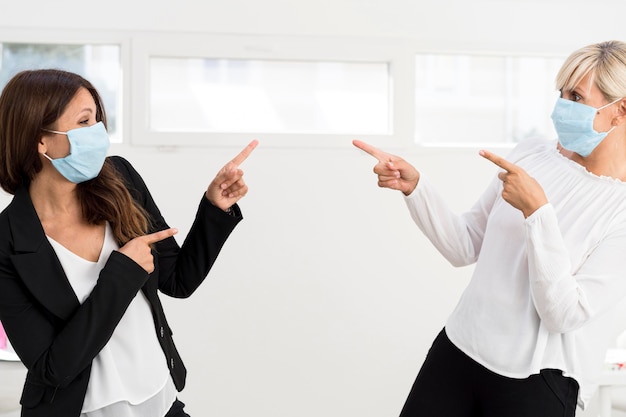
(84,122)
(571,95)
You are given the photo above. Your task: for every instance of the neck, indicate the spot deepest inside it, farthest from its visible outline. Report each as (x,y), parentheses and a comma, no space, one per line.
(608,159)
(53,199)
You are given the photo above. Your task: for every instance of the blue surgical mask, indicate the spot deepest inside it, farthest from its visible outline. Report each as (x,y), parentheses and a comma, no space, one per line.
(574,126)
(88,150)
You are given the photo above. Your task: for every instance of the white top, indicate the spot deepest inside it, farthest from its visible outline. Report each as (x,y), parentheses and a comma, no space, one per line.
(544,288)
(129,377)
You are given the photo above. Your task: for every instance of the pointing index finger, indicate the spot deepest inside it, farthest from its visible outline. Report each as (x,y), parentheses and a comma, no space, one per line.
(238,160)
(375,152)
(498,160)
(160,235)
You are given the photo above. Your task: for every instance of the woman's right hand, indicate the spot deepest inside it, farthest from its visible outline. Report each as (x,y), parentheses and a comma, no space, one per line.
(139,249)
(518,188)
(393,172)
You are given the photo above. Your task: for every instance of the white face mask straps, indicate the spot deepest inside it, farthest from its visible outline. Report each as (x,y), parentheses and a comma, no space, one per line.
(52,131)
(61,133)
(610,104)
(604,107)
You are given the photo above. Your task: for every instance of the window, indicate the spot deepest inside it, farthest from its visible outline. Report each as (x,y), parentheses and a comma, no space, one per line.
(268,96)
(98,63)
(468,100)
(286,91)
(224,90)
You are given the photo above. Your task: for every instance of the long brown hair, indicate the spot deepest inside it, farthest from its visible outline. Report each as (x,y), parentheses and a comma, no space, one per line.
(35,99)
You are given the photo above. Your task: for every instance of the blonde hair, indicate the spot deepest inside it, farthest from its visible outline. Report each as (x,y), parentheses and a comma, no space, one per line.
(605,62)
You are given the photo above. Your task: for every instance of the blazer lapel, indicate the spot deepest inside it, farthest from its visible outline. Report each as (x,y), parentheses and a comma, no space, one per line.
(35,260)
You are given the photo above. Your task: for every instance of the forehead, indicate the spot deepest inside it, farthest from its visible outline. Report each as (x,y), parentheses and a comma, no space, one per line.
(81,102)
(82,97)
(583,85)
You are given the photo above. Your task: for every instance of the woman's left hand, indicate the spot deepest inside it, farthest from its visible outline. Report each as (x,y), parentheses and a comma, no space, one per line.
(518,188)
(228,186)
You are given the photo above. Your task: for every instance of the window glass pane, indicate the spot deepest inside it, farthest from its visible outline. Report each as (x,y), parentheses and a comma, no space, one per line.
(465,99)
(235,95)
(100,64)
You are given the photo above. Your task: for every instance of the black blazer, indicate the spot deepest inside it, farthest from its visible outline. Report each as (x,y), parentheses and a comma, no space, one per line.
(54,335)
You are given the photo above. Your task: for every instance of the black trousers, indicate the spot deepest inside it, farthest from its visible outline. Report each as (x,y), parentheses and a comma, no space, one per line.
(451,384)
(177,410)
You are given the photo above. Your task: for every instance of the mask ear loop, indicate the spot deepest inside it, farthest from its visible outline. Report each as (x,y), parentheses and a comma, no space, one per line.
(605,106)
(52,131)
(65,133)
(610,104)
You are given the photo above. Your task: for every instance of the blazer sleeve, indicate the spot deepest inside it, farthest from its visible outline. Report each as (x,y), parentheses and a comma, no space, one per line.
(181,269)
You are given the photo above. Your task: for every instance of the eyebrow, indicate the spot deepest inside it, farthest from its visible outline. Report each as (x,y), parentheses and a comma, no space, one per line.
(86,109)
(577,91)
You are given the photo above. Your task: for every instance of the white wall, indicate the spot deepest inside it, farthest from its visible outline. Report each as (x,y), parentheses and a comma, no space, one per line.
(326,298)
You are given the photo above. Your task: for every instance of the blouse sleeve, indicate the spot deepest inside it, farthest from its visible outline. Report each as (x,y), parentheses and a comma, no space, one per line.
(457,237)
(566,299)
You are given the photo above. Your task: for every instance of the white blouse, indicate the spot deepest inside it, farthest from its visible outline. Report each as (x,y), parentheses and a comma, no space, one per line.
(544,289)
(129,377)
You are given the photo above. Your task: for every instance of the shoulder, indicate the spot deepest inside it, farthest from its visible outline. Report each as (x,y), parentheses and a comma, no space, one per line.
(135,185)
(19,204)
(126,170)
(130,177)
(4,223)
(122,165)
(531,146)
(19,222)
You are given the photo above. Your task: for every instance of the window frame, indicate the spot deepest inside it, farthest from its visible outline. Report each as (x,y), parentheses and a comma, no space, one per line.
(136,49)
(81,37)
(398,58)
(487,53)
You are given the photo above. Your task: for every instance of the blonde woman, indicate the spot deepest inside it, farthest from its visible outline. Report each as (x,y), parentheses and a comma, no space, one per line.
(548,239)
